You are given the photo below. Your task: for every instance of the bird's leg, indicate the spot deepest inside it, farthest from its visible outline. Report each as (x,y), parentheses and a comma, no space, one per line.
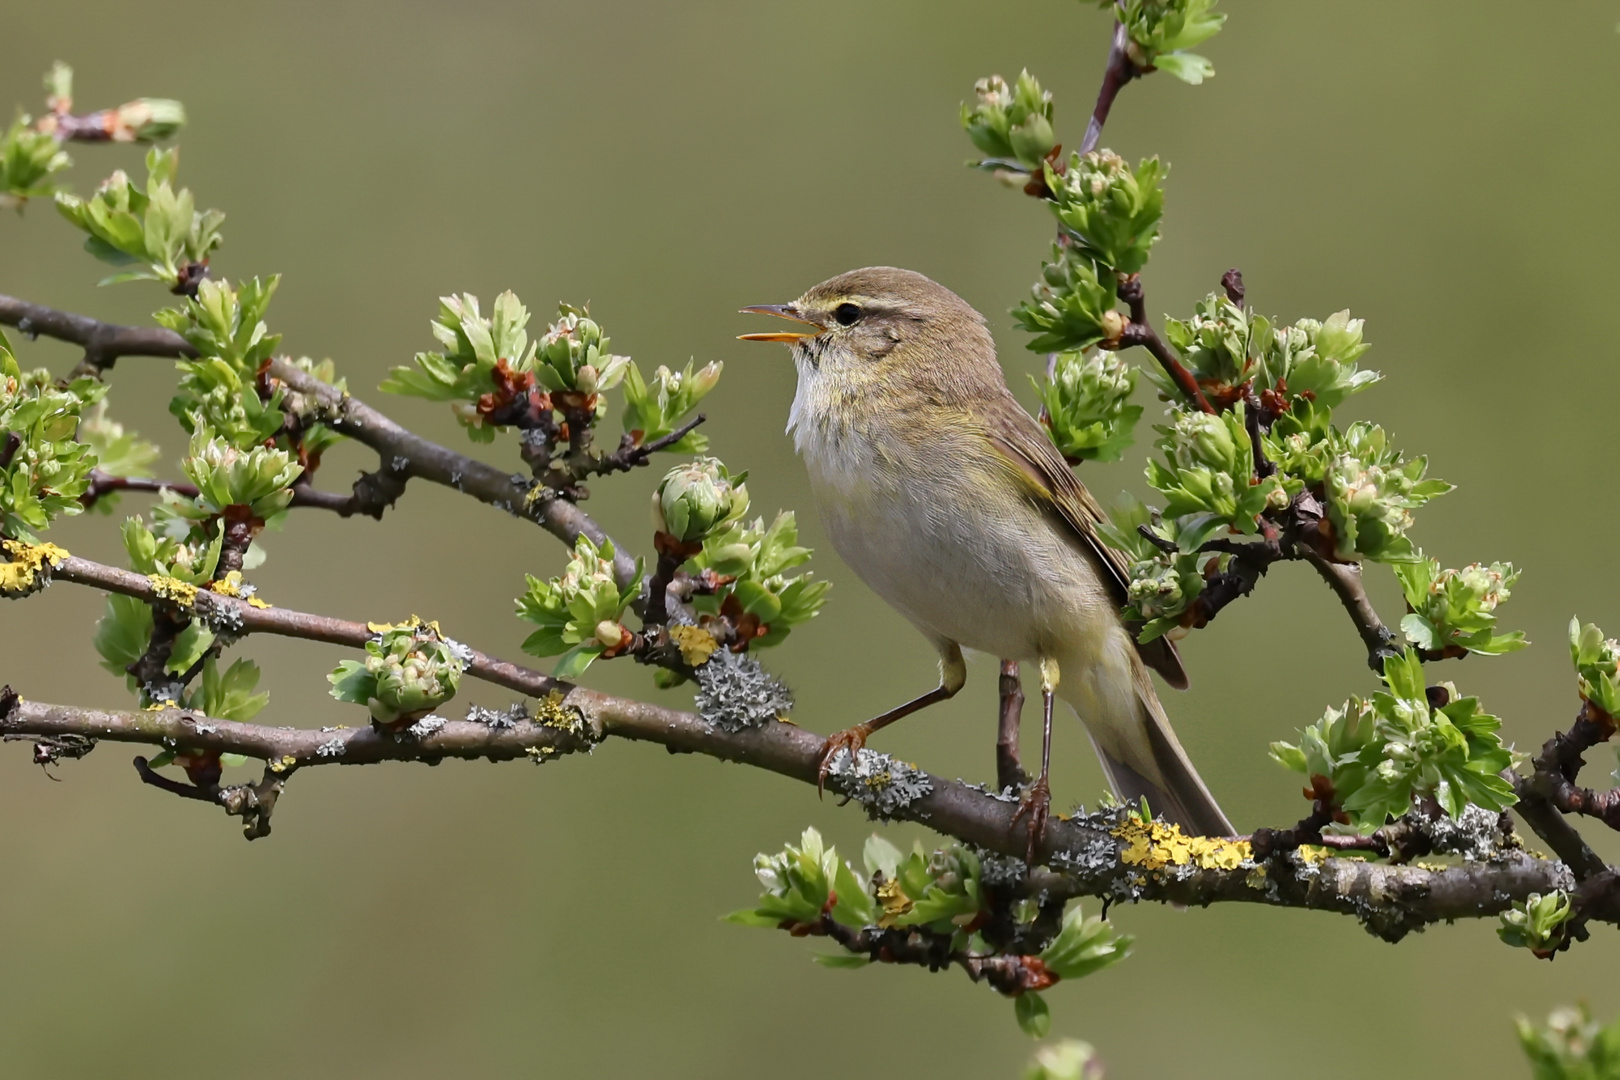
(1037,802)
(952,676)
(1009,770)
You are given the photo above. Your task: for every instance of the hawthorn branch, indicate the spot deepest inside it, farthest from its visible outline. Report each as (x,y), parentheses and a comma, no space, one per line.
(1120,70)
(403,453)
(1088,859)
(103,484)
(1345,581)
(1140,331)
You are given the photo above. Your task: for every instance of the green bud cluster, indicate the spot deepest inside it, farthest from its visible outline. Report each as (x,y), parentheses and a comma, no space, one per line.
(409,671)
(579,612)
(1456,609)
(1381,754)
(1572,1046)
(218,390)
(695,500)
(48,467)
(28,160)
(758,559)
(1371,493)
(475,347)
(259,479)
(158,231)
(177,551)
(1163,584)
(1540,924)
(573,355)
(939,893)
(1086,405)
(1160,31)
(1208,469)
(1012,125)
(1109,209)
(1225,346)
(1596,658)
(1072,306)
(656,408)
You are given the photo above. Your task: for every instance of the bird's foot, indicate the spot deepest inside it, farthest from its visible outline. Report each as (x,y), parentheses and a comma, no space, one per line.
(1035,805)
(851,739)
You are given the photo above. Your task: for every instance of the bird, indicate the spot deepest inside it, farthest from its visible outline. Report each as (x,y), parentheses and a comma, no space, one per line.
(951,502)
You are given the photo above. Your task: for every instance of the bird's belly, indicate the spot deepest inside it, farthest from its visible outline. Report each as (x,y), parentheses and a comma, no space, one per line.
(990,573)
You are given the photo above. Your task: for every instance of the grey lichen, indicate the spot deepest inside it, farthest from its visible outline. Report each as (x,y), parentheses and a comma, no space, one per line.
(1477,835)
(426,726)
(498,719)
(882,784)
(735,693)
(333,748)
(461,652)
(399,463)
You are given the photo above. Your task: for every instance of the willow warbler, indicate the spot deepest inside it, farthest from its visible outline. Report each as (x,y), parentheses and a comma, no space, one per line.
(949,500)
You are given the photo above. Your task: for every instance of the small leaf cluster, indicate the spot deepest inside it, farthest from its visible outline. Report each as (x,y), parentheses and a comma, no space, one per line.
(1596,658)
(29,158)
(1371,492)
(1226,346)
(1572,1046)
(409,670)
(223,695)
(1163,584)
(752,561)
(939,893)
(655,408)
(1160,32)
(1456,609)
(158,231)
(259,479)
(1011,125)
(1208,477)
(48,468)
(693,501)
(1108,209)
(579,612)
(1083,945)
(1540,924)
(800,881)
(179,552)
(495,377)
(1085,405)
(1072,306)
(1381,754)
(219,389)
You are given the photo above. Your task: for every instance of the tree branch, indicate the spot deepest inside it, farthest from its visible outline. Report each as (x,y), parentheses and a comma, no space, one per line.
(403,453)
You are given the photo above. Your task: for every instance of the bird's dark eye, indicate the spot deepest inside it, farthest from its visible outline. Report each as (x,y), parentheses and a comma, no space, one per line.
(846,314)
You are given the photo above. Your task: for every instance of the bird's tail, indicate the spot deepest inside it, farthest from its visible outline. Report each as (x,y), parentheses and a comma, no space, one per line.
(1139,751)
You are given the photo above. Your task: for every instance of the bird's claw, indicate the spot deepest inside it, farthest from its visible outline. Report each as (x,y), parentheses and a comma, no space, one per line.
(851,739)
(1036,805)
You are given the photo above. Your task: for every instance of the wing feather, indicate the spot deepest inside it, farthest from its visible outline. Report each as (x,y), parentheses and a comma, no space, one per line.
(1018,436)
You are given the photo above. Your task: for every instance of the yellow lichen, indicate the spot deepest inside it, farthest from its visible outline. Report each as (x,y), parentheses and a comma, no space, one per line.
(1153,845)
(27,566)
(182,594)
(552,713)
(695,643)
(894,900)
(229,585)
(159,706)
(415,622)
(1314,854)
(287,762)
(254,601)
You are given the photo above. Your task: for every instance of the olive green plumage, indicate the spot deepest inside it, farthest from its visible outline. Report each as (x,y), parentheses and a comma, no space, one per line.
(951,502)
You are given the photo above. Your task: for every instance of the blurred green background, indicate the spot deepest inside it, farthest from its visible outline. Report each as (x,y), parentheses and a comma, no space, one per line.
(1446,170)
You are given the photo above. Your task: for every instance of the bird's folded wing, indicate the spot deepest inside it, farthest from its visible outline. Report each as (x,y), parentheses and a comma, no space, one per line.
(1018,437)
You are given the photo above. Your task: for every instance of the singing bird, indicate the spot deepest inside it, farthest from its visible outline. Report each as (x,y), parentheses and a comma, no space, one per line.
(952,504)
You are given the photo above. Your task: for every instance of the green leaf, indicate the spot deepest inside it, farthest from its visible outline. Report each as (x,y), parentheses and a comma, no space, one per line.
(574,662)
(1034,1015)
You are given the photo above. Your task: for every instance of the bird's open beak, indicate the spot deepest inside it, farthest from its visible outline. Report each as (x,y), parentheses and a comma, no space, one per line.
(781,311)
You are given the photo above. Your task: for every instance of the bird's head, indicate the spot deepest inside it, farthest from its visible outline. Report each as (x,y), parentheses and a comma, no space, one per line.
(880,319)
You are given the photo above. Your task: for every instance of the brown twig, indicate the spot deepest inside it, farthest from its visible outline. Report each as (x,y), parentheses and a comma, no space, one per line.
(1345,581)
(1140,331)
(1120,70)
(1009,769)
